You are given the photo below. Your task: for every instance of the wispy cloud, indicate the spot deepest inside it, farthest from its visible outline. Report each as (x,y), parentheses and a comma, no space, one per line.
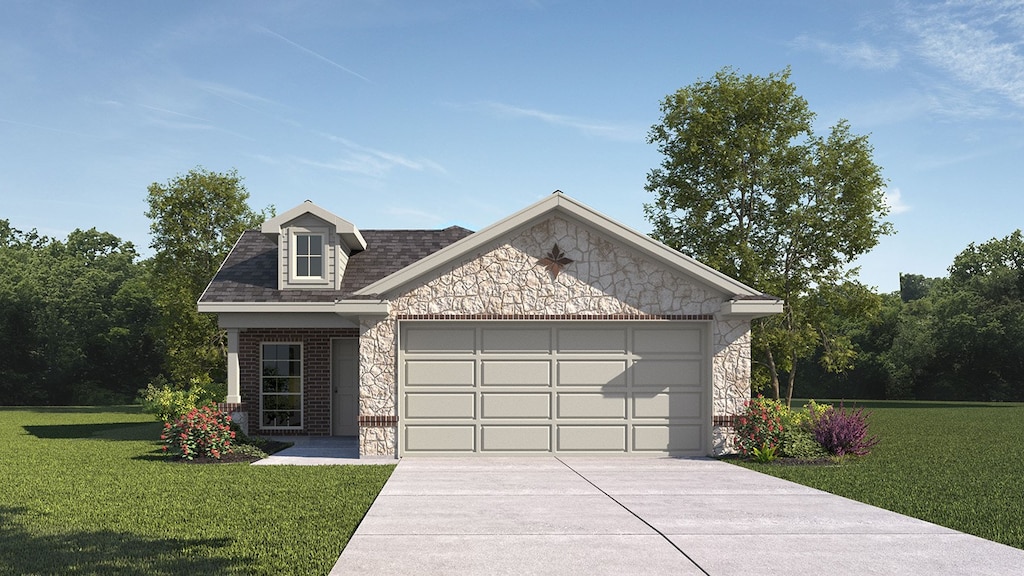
(366,161)
(980,43)
(894,200)
(857,55)
(313,53)
(589,127)
(235,96)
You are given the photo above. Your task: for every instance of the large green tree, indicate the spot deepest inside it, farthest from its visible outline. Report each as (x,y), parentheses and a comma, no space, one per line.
(196,219)
(747,187)
(77,322)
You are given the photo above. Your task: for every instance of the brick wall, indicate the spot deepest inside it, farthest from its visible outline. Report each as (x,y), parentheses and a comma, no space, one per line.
(316,374)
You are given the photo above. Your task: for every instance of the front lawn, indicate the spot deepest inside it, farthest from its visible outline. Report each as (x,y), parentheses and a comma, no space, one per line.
(85,491)
(960,465)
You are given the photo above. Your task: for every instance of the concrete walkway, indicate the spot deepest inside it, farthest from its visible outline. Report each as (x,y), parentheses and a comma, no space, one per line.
(615,516)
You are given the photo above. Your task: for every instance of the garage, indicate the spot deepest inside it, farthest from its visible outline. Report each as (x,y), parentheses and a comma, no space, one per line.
(540,387)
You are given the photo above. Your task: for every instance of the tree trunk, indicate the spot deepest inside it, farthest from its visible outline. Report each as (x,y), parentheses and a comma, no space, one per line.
(792,379)
(775,374)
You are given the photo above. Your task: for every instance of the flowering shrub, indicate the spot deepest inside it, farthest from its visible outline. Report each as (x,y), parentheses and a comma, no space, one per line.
(759,426)
(200,432)
(842,433)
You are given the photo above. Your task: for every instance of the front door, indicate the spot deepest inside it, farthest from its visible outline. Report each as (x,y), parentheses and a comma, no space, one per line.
(345,387)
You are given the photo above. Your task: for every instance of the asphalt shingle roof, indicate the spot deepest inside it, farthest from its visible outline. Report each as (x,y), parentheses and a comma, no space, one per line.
(249,273)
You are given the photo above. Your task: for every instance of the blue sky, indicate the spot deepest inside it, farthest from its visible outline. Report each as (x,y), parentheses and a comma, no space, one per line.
(426,114)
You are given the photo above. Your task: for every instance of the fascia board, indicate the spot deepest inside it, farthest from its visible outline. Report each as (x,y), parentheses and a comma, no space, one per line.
(752,308)
(347,307)
(571,207)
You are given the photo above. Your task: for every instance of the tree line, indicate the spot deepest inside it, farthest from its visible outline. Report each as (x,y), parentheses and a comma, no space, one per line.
(85,320)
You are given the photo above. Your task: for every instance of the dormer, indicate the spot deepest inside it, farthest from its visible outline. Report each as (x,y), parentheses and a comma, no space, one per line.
(313,247)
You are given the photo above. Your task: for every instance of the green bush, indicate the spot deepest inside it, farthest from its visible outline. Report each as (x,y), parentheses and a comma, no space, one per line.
(800,443)
(170,403)
(202,431)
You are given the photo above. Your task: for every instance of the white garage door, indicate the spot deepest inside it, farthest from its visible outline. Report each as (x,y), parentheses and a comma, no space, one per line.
(552,387)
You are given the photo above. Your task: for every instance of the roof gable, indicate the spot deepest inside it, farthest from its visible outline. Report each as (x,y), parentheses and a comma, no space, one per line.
(349,234)
(559,203)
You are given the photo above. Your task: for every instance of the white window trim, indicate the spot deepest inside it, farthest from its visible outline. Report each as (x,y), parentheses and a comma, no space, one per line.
(293,234)
(302,390)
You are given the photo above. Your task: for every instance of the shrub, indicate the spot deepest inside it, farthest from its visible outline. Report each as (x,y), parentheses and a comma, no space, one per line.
(842,433)
(201,432)
(759,426)
(800,443)
(169,403)
(248,450)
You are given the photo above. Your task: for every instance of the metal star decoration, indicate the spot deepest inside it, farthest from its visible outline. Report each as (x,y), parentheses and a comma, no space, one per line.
(554,261)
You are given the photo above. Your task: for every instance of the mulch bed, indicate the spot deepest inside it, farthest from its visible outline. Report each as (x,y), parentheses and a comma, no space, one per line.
(268,446)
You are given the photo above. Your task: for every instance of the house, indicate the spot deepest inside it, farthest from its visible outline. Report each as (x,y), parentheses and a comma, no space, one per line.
(554,330)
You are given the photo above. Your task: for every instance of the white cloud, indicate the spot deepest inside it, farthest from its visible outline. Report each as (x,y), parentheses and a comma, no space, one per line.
(362,160)
(588,127)
(980,43)
(856,55)
(894,200)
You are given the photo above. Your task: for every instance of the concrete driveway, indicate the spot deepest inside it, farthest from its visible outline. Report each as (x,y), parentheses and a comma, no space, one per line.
(616,516)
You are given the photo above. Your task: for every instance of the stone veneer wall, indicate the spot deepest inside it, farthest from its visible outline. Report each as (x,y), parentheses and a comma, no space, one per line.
(606,278)
(316,375)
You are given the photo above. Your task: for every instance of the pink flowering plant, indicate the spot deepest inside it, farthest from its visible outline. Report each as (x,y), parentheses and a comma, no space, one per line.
(759,427)
(199,432)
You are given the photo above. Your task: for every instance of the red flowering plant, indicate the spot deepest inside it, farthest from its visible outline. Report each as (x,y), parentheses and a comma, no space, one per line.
(759,426)
(201,432)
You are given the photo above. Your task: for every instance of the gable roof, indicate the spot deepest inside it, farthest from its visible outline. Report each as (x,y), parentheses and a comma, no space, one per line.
(349,234)
(249,273)
(559,203)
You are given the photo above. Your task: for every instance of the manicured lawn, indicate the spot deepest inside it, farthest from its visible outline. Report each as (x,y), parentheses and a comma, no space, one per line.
(960,465)
(85,491)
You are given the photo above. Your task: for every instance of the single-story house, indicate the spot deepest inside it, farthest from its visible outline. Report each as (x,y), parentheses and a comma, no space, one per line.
(555,330)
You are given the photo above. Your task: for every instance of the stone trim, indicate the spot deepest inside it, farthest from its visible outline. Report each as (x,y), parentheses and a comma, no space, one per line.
(725,420)
(377,421)
(555,317)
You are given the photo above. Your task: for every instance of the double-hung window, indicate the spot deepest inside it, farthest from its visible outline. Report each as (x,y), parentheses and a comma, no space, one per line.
(281,386)
(309,255)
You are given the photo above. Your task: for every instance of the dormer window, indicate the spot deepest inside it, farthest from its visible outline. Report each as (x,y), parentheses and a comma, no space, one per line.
(309,256)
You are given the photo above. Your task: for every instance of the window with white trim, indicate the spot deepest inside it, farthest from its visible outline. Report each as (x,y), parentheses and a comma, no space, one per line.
(309,255)
(281,385)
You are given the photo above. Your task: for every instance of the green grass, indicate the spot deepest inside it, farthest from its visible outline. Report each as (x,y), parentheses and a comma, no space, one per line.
(959,465)
(85,491)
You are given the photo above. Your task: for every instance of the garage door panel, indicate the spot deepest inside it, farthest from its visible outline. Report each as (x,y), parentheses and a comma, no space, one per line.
(591,405)
(667,373)
(592,372)
(425,438)
(589,341)
(591,438)
(434,405)
(512,405)
(515,373)
(449,340)
(661,341)
(515,438)
(666,405)
(440,373)
(671,438)
(518,340)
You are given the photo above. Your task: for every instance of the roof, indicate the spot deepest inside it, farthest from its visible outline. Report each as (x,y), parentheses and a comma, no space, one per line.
(249,273)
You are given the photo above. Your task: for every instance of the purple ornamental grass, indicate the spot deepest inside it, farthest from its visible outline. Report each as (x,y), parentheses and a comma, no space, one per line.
(841,432)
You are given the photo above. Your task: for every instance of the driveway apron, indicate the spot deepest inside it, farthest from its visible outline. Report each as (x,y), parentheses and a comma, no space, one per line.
(615,516)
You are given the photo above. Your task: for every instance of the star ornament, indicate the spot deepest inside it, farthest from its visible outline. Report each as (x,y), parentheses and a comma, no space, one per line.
(555,261)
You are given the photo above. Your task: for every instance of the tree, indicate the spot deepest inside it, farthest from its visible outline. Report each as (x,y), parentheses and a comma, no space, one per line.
(196,219)
(746,187)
